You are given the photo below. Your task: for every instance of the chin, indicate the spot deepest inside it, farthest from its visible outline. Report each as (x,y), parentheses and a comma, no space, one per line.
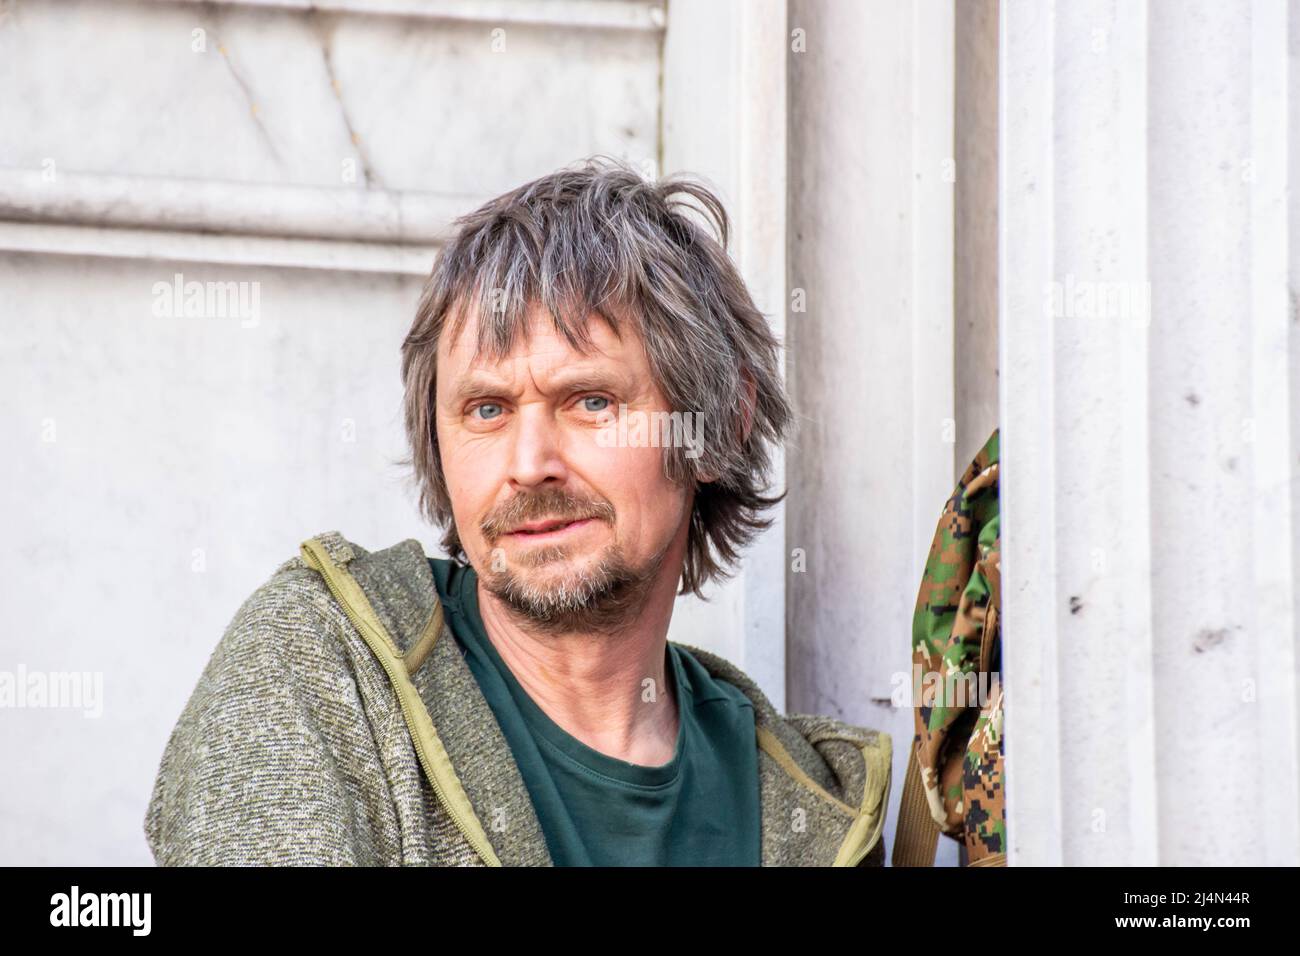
(567,592)
(555,564)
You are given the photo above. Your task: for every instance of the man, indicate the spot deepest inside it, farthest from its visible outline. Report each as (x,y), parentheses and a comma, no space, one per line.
(591,396)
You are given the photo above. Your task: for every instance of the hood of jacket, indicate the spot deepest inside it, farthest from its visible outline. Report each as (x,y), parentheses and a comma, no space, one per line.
(372,743)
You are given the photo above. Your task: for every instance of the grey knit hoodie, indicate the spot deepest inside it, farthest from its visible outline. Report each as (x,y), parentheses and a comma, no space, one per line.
(337,723)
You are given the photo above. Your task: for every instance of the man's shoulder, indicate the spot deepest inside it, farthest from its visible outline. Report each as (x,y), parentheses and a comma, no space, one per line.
(719,670)
(295,610)
(295,580)
(277,733)
(812,740)
(349,554)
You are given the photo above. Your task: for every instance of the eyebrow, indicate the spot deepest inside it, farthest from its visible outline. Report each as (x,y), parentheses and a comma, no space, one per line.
(579,381)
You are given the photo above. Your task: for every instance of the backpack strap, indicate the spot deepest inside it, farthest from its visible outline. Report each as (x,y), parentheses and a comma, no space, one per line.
(917,836)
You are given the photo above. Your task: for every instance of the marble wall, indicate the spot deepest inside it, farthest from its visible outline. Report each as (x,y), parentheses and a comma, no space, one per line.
(312,155)
(160,466)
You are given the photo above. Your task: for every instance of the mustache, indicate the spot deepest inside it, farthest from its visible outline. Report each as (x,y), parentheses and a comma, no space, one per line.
(554,503)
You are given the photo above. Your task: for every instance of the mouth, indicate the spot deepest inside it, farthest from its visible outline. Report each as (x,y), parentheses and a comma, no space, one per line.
(548,530)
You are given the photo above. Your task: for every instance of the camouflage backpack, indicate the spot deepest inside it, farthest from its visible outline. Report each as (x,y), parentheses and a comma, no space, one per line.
(955,782)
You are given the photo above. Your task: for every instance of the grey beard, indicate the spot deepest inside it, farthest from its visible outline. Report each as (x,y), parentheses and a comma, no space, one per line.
(606,599)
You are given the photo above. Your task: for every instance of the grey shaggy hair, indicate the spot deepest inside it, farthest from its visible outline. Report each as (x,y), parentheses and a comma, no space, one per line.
(599,238)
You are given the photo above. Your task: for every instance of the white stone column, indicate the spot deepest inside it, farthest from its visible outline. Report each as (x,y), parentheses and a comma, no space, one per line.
(1150,384)
(871,347)
(724,119)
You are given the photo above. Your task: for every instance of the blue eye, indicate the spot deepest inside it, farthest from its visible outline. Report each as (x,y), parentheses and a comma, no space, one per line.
(596,398)
(479,408)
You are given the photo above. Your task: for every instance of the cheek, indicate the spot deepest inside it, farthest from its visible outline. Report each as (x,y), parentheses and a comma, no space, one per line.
(470,483)
(648,505)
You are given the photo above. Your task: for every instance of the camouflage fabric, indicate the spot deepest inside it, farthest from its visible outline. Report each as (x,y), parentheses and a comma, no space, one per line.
(956,654)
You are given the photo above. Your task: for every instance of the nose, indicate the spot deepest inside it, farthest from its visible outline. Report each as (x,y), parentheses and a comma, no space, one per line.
(536,455)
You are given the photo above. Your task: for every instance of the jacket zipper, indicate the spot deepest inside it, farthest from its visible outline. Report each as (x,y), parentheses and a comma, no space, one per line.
(861,854)
(389,663)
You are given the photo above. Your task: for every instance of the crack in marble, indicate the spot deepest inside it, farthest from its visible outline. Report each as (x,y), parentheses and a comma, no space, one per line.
(248,98)
(325,35)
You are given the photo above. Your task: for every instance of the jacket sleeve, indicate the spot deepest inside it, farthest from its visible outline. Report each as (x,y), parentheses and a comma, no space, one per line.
(273,761)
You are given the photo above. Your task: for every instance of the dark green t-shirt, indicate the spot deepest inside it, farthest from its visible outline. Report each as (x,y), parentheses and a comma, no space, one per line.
(699,809)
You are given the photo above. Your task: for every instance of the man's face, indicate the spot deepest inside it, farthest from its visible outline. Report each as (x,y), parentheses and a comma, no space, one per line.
(567,528)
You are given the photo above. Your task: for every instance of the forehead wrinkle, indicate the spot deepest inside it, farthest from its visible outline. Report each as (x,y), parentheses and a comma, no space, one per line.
(481,380)
(563,378)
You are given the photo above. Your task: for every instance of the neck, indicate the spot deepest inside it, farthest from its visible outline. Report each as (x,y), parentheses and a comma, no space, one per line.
(597,686)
